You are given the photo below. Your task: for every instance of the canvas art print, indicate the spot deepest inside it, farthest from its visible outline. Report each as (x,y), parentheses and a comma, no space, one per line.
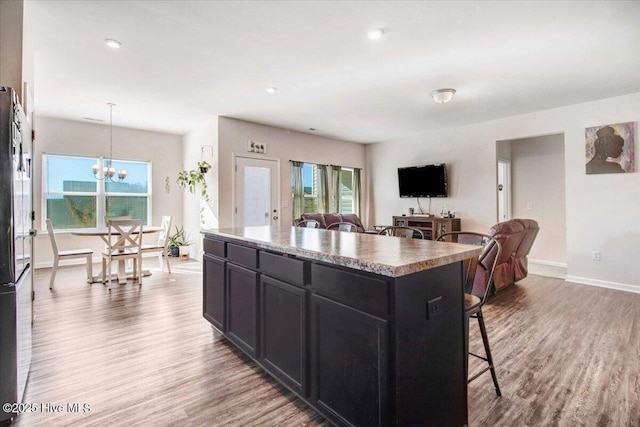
(609,149)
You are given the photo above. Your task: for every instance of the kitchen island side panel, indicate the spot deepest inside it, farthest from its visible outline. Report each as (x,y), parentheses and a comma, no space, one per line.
(429,348)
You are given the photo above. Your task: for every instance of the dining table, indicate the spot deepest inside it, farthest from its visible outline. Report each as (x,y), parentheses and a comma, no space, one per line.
(103,233)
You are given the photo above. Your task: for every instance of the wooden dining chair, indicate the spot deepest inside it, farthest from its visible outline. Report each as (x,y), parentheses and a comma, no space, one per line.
(162,245)
(398,231)
(477,280)
(343,226)
(124,241)
(67,254)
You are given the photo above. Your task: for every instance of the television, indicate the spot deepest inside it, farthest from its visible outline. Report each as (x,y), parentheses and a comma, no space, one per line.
(423,181)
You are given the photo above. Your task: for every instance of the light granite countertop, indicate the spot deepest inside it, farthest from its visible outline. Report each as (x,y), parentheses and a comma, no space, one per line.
(384,255)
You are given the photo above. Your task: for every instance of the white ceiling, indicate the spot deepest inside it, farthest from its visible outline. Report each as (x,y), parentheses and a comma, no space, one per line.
(183,62)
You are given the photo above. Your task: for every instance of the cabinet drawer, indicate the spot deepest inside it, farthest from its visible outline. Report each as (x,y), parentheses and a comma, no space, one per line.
(361,291)
(289,269)
(242,255)
(215,247)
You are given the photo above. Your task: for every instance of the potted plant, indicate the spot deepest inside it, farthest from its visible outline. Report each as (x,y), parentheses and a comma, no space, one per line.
(179,243)
(190,179)
(204,166)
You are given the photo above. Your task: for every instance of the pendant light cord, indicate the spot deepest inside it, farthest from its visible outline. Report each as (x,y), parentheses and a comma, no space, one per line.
(110,133)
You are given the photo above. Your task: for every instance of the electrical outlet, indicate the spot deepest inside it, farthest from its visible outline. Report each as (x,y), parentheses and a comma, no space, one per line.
(595,255)
(434,308)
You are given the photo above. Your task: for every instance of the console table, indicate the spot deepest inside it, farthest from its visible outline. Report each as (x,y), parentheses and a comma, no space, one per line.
(369,330)
(431,226)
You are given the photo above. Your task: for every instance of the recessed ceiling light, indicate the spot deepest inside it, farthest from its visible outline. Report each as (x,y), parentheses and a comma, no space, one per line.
(375,34)
(113,44)
(271,90)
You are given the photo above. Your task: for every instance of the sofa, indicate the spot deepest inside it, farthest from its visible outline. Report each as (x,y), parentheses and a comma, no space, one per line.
(516,238)
(327,219)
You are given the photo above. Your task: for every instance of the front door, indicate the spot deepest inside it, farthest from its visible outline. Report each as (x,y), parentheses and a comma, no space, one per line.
(256,192)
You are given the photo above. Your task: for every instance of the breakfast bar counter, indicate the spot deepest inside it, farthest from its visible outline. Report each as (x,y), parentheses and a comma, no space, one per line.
(369,330)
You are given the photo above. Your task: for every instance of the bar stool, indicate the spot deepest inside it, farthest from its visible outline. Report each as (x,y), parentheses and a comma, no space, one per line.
(477,280)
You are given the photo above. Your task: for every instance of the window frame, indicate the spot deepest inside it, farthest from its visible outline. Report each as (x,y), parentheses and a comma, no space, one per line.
(314,186)
(101,194)
(342,196)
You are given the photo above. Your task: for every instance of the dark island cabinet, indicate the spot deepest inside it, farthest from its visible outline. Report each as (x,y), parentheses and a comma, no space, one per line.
(214,273)
(242,308)
(359,347)
(283,337)
(349,363)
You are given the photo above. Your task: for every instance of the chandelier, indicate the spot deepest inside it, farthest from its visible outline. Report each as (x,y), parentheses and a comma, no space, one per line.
(108,171)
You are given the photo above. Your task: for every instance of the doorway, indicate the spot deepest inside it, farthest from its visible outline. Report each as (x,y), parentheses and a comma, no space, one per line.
(504,190)
(536,166)
(256,183)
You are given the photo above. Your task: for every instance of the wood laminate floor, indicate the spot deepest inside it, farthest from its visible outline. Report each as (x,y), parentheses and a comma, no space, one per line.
(566,354)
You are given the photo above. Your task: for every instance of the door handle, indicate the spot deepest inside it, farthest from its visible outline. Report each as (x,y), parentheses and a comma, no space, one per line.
(33,232)
(275,217)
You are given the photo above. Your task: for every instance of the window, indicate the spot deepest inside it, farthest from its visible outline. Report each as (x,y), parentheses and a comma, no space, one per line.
(73,198)
(346,190)
(310,180)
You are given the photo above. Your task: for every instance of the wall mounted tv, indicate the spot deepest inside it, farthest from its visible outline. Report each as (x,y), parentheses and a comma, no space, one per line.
(423,181)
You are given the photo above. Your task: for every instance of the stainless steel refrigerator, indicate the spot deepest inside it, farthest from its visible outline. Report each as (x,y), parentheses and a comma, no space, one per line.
(16,233)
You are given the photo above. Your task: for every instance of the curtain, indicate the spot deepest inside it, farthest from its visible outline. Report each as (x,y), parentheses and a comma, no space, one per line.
(336,173)
(356,191)
(323,188)
(297,189)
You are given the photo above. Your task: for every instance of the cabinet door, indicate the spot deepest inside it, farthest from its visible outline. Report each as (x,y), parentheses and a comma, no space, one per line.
(213,279)
(283,334)
(242,308)
(349,362)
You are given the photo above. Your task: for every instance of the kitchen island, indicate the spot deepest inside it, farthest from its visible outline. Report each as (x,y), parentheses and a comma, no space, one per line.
(369,330)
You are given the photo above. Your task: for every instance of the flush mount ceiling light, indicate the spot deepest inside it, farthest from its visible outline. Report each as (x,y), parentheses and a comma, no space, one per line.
(442,96)
(271,90)
(375,34)
(113,44)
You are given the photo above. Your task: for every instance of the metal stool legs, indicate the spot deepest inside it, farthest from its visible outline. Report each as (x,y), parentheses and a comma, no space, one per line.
(487,350)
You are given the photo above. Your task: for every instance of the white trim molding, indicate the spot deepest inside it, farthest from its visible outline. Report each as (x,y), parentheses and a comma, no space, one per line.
(551,263)
(604,284)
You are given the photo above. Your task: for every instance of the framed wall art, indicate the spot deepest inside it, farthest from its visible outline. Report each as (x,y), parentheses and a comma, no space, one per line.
(609,149)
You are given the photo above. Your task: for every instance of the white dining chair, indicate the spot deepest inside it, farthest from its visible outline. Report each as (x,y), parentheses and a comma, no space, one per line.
(162,245)
(124,241)
(67,254)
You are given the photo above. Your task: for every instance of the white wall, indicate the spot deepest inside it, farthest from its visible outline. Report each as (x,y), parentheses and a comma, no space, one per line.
(602,210)
(537,176)
(207,135)
(285,145)
(56,136)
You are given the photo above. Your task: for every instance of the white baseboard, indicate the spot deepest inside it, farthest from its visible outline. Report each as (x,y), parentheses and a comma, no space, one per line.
(95,260)
(551,263)
(604,284)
